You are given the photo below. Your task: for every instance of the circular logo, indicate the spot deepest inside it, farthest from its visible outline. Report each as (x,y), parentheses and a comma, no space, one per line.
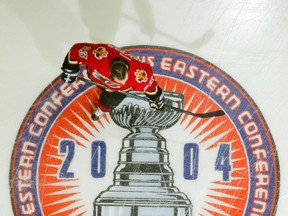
(136,161)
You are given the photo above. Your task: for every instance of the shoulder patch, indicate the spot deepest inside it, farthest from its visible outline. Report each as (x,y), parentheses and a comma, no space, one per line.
(141,76)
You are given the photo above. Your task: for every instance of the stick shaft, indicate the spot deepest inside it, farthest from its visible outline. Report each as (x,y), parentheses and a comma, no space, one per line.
(199,115)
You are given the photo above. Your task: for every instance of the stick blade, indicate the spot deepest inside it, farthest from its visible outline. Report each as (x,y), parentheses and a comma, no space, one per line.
(210,114)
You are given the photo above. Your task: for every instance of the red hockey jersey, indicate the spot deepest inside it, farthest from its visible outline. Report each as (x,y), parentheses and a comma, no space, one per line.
(97,58)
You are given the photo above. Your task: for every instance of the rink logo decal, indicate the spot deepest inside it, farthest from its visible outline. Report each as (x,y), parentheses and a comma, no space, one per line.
(63,163)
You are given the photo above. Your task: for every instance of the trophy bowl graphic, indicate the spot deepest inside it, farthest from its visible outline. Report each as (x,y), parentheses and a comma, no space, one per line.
(143,183)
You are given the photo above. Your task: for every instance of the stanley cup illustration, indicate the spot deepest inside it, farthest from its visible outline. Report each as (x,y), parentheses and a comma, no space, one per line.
(143,179)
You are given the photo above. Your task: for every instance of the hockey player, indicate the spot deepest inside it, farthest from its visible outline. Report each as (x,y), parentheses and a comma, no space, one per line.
(116,71)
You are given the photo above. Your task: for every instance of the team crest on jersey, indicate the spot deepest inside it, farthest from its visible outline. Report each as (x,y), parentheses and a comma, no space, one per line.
(136,161)
(100,53)
(141,76)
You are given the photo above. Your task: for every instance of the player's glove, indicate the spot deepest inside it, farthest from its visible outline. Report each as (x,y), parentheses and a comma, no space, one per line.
(157,103)
(69,76)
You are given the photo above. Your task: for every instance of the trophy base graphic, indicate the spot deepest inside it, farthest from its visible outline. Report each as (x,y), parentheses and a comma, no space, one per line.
(143,179)
(137,201)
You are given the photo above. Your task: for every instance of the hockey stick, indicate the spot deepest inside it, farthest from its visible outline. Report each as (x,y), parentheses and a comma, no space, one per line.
(199,115)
